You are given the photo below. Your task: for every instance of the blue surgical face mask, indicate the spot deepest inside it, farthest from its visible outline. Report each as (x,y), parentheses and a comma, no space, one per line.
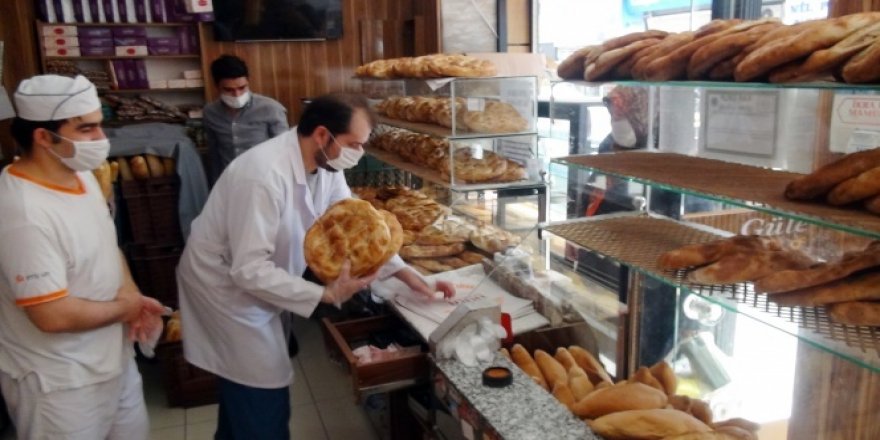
(348,157)
(87,155)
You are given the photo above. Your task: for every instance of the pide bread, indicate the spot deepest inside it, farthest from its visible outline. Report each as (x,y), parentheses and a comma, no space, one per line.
(706,253)
(712,53)
(353,230)
(647,424)
(827,59)
(608,60)
(573,66)
(668,44)
(628,396)
(427,251)
(863,286)
(428,66)
(862,68)
(856,188)
(750,266)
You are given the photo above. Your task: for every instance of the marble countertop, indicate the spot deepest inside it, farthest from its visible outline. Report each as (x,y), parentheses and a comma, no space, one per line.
(521,411)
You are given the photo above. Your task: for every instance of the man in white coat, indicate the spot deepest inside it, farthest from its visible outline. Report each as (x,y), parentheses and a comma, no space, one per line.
(243,262)
(67,369)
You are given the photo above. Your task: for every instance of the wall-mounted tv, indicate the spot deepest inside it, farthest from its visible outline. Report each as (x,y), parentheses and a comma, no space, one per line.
(267,20)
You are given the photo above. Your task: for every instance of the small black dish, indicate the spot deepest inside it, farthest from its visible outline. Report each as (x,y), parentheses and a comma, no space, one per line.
(497,377)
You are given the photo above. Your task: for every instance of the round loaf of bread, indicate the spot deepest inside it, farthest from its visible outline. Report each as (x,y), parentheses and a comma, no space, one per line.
(351,229)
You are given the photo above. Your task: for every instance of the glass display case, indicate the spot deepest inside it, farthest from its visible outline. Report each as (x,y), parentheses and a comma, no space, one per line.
(716,163)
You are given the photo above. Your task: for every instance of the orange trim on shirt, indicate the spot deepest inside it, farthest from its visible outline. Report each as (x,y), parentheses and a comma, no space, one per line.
(80,189)
(34,300)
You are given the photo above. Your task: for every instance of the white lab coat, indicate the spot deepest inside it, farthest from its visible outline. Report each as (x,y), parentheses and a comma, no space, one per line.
(243,262)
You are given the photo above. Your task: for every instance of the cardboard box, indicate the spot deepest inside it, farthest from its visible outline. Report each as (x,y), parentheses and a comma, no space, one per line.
(131,51)
(95,32)
(192,74)
(56,42)
(130,31)
(190,83)
(96,42)
(88,51)
(130,41)
(198,6)
(158,84)
(59,30)
(63,52)
(176,83)
(163,50)
(163,41)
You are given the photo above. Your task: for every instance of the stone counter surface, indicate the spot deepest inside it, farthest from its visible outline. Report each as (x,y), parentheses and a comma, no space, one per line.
(521,411)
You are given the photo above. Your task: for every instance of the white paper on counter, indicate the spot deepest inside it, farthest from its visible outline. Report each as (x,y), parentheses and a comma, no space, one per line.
(471,284)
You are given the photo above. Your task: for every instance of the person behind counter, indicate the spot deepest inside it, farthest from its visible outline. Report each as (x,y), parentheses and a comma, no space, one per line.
(239,119)
(67,369)
(242,264)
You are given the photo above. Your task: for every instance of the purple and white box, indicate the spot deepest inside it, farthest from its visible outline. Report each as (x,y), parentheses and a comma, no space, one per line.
(130,31)
(96,51)
(94,32)
(96,42)
(130,41)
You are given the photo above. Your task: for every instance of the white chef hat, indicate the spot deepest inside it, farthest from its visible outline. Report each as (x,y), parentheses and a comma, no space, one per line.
(55,98)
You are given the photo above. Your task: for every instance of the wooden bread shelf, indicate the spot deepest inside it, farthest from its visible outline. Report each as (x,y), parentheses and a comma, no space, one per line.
(751,187)
(638,241)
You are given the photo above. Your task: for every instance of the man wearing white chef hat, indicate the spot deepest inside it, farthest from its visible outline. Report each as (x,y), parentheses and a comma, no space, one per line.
(66,297)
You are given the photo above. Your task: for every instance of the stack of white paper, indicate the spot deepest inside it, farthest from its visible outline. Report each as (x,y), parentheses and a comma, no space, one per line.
(471,285)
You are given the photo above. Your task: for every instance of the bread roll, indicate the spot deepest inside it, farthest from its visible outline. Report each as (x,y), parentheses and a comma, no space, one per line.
(155,166)
(124,170)
(623,397)
(701,410)
(820,182)
(711,435)
(114,171)
(565,358)
(681,402)
(503,351)
(646,424)
(643,375)
(579,383)
(525,362)
(739,423)
(139,168)
(169,165)
(856,313)
(563,394)
(554,373)
(104,176)
(663,372)
(856,188)
(591,366)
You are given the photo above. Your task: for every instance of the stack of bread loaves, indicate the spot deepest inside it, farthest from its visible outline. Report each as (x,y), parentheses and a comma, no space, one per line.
(433,153)
(427,66)
(854,178)
(351,230)
(846,48)
(495,117)
(643,407)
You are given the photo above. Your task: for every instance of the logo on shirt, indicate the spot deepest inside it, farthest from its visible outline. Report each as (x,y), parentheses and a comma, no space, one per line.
(19,279)
(32,277)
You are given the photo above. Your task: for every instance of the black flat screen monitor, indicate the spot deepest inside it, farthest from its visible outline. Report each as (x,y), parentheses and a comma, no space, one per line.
(268,20)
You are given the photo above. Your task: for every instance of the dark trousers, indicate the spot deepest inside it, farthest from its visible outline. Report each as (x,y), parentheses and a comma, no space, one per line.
(248,413)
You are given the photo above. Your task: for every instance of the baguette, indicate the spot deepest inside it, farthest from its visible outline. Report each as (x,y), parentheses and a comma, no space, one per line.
(820,182)
(525,362)
(742,267)
(860,187)
(618,398)
(651,424)
(864,286)
(788,280)
(594,369)
(663,372)
(579,383)
(554,373)
(139,168)
(862,67)
(573,66)
(565,358)
(563,394)
(155,166)
(643,375)
(856,313)
(124,170)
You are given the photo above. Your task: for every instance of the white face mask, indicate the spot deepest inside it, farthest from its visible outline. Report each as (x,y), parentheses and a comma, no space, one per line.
(348,157)
(87,155)
(623,134)
(236,101)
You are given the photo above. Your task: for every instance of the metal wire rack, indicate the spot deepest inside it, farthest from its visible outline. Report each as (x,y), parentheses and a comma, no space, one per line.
(638,241)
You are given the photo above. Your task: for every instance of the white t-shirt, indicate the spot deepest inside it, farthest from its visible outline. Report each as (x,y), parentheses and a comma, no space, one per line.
(56,242)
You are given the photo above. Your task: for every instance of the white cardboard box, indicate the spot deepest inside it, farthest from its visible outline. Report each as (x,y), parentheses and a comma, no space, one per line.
(195,83)
(192,74)
(131,51)
(62,41)
(158,84)
(176,83)
(59,30)
(199,6)
(62,52)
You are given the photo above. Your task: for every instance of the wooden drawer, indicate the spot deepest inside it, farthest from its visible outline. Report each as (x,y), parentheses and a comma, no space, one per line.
(378,377)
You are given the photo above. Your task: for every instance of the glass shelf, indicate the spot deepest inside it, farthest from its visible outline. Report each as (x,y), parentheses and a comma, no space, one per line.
(723,182)
(637,240)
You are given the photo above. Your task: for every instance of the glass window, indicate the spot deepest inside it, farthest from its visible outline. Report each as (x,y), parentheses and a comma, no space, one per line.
(795,11)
